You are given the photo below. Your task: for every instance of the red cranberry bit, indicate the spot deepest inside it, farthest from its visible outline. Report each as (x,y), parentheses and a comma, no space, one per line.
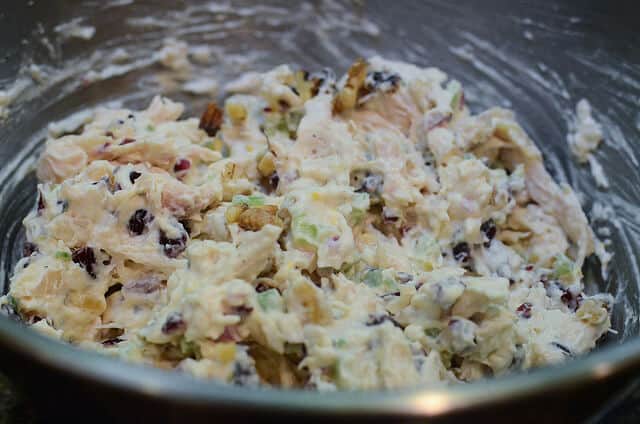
(243,375)
(274,179)
(379,319)
(572,301)
(371,184)
(28,249)
(528,268)
(524,310)
(174,324)
(112,342)
(284,105)
(127,141)
(41,203)
(113,289)
(565,350)
(262,288)
(172,247)
(489,229)
(181,165)
(138,221)
(461,252)
(85,257)
(185,224)
(133,176)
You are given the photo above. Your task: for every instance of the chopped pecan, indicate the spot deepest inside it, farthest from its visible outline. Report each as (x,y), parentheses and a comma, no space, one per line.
(253,219)
(347,97)
(211,120)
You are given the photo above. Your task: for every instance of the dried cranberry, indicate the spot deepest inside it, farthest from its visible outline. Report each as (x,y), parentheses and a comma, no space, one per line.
(461,252)
(28,249)
(41,202)
(262,288)
(380,319)
(185,224)
(382,80)
(172,247)
(243,375)
(489,229)
(127,141)
(174,324)
(182,165)
(284,105)
(138,221)
(112,342)
(133,176)
(371,184)
(565,350)
(86,258)
(113,289)
(524,310)
(274,179)
(528,268)
(572,301)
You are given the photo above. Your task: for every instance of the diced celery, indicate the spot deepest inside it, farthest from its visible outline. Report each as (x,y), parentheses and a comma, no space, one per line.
(564,268)
(456,89)
(376,278)
(359,207)
(340,343)
(13,303)
(432,332)
(304,231)
(65,256)
(251,201)
(270,300)
(427,252)
(189,348)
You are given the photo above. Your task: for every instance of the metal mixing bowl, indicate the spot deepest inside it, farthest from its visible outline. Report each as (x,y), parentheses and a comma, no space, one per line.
(538,58)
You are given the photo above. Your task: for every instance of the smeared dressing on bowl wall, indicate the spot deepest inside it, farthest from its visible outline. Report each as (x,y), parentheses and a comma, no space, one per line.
(130,57)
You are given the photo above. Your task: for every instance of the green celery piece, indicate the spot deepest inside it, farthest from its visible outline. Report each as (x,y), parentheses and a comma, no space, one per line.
(563,268)
(304,231)
(270,300)
(65,256)
(456,89)
(251,201)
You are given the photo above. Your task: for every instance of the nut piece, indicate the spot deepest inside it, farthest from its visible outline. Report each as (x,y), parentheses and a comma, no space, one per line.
(348,96)
(236,112)
(266,166)
(233,212)
(254,219)
(211,120)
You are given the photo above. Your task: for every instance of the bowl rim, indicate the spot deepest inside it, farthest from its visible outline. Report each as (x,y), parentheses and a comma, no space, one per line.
(175,387)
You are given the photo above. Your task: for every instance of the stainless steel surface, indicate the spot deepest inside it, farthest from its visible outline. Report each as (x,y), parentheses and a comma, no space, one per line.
(538,58)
